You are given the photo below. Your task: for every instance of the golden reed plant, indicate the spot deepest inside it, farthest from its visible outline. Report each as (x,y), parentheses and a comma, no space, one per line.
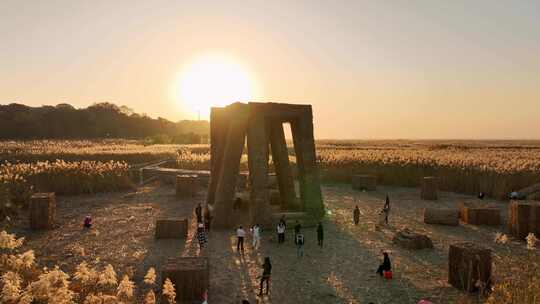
(23,282)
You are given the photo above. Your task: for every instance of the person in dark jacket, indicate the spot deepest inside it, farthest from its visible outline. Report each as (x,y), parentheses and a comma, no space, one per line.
(297,230)
(386,265)
(320,234)
(386,209)
(356,215)
(198,212)
(267,272)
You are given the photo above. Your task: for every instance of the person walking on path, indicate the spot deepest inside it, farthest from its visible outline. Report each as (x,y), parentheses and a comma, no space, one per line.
(299,245)
(87,222)
(297,230)
(356,215)
(386,209)
(201,235)
(281,232)
(320,234)
(386,265)
(207,217)
(198,213)
(267,272)
(256,232)
(240,235)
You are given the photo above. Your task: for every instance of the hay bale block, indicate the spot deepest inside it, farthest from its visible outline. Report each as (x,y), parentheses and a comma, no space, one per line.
(523,218)
(186,185)
(171,228)
(412,240)
(467,264)
(441,216)
(430,186)
(364,182)
(42,210)
(476,214)
(190,276)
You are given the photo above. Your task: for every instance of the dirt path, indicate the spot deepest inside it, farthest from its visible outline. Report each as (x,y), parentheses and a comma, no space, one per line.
(341,272)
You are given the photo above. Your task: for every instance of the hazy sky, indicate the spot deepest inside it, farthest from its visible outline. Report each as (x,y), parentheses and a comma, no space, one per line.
(371,69)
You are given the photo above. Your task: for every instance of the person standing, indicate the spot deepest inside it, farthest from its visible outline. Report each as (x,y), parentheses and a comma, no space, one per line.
(198,213)
(240,235)
(297,230)
(207,217)
(256,232)
(320,234)
(386,209)
(281,232)
(201,235)
(299,240)
(267,272)
(356,215)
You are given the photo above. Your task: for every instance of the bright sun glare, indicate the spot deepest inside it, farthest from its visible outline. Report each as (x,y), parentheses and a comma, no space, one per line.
(213,80)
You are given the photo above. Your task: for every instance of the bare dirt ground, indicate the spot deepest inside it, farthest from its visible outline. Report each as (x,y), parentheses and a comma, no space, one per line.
(341,272)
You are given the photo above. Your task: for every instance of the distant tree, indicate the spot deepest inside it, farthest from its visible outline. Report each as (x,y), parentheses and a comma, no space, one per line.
(104,119)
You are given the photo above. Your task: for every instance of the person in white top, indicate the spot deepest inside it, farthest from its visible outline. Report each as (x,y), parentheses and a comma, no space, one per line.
(256,231)
(281,232)
(240,234)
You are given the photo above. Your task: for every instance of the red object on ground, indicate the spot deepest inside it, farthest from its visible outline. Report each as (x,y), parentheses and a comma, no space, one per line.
(387,275)
(425,302)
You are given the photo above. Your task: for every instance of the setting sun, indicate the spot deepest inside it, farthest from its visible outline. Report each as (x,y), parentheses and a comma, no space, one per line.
(213,80)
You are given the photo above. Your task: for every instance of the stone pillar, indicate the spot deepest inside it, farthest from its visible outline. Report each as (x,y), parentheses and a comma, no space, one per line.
(469,264)
(42,210)
(230,166)
(280,156)
(219,125)
(429,188)
(257,138)
(186,185)
(304,142)
(190,276)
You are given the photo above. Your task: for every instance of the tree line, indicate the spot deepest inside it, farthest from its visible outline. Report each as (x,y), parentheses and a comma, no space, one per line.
(100,120)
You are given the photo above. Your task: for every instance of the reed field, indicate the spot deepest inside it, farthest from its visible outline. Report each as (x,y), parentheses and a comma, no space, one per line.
(492,167)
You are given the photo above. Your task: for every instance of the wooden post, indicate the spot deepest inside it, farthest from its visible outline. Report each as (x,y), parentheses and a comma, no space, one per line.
(219,126)
(280,156)
(308,173)
(523,218)
(230,166)
(258,153)
(42,210)
(429,188)
(171,228)
(468,264)
(186,185)
(190,276)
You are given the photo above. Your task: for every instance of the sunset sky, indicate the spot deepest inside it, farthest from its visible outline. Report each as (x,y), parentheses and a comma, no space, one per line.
(371,69)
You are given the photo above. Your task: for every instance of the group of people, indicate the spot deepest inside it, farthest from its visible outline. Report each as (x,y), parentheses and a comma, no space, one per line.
(385,212)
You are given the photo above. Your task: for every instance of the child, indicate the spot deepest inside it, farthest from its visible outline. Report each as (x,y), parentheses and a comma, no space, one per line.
(87,222)
(267,272)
